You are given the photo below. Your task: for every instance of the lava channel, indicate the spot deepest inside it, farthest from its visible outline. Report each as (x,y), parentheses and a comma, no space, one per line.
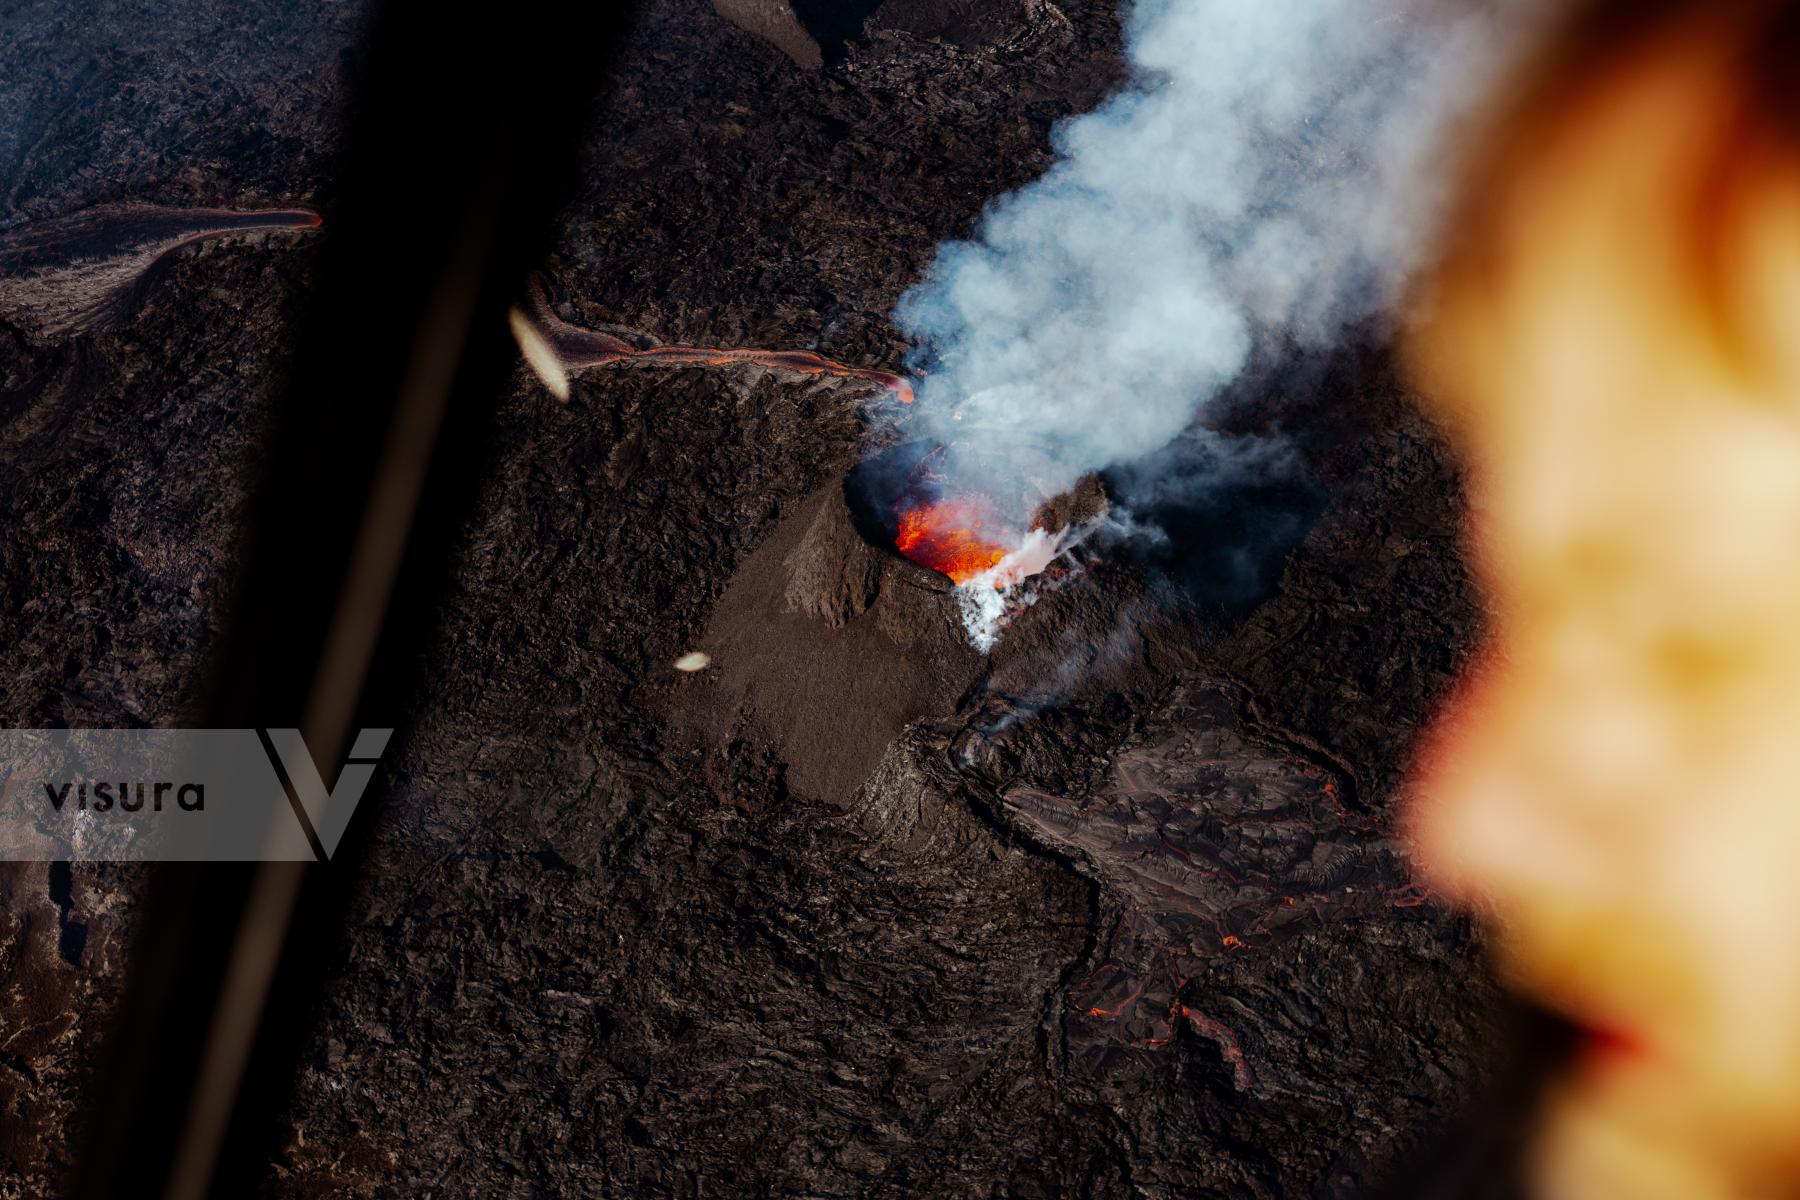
(556,349)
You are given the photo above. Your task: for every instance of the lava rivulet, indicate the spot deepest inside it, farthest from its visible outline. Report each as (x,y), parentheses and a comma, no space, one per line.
(555,349)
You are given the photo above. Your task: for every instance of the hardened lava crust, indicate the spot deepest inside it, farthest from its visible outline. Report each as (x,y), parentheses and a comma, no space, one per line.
(1114,910)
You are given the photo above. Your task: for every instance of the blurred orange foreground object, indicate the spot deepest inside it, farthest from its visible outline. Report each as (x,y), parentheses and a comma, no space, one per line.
(1613,337)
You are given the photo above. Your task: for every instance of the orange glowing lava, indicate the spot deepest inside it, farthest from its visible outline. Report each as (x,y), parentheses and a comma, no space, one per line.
(956,536)
(555,349)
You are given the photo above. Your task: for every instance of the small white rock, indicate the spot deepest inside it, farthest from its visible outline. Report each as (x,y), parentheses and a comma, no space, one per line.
(693,661)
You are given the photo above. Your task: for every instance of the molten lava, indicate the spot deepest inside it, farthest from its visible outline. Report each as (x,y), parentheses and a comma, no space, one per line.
(555,349)
(960,536)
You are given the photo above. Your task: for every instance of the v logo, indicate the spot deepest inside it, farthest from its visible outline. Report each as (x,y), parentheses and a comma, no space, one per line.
(328,810)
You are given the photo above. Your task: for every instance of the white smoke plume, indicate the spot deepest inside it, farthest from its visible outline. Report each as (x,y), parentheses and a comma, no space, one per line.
(1267,170)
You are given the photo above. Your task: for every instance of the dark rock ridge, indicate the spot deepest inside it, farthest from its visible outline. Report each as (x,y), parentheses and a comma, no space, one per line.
(833,574)
(775,22)
(79,273)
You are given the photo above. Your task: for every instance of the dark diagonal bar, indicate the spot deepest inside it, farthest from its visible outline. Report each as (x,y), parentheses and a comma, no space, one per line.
(462,145)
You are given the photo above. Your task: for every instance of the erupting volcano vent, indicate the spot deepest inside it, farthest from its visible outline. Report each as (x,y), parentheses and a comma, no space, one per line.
(962,534)
(986,540)
(1258,187)
(951,536)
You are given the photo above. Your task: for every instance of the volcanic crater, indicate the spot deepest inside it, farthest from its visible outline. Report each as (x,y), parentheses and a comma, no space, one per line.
(837,633)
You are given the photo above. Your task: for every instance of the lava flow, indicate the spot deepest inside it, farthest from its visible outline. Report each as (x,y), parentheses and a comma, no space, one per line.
(555,349)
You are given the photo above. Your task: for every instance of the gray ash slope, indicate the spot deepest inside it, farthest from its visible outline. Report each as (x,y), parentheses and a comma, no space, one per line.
(596,953)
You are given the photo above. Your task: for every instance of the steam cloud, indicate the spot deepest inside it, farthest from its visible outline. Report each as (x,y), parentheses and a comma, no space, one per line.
(1265,171)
